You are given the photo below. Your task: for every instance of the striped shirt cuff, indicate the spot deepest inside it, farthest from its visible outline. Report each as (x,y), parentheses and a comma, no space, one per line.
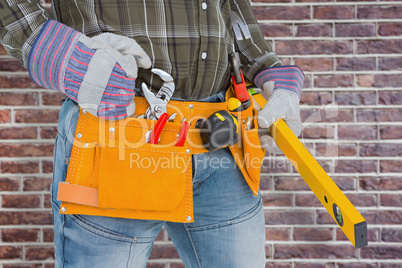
(47,58)
(287,78)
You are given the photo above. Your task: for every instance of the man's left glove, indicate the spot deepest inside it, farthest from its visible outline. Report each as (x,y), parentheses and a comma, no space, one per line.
(282,86)
(97,72)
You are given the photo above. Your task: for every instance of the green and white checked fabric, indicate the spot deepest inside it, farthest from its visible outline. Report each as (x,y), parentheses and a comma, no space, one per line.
(189,39)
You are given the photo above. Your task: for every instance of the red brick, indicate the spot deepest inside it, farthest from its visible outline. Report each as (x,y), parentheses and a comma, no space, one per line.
(333,81)
(390,97)
(277,200)
(391,63)
(9,184)
(326,115)
(379,115)
(355,64)
(276,30)
(318,132)
(22,99)
(19,166)
(47,201)
(365,80)
(24,149)
(333,12)
(323,217)
(390,265)
(308,251)
(290,184)
(17,218)
(390,166)
(275,165)
(37,116)
(161,265)
(37,184)
(391,200)
(281,13)
(18,133)
(265,182)
(47,166)
(7,81)
(381,252)
(289,217)
(379,12)
(312,234)
(48,235)
(315,65)
(277,234)
(391,132)
(2,50)
(314,265)
(20,201)
(17,265)
(358,264)
(356,166)
(52,98)
(11,65)
(163,252)
(10,252)
(309,47)
(387,80)
(381,149)
(278,265)
(383,217)
(48,132)
(356,98)
(315,30)
(357,132)
(380,183)
(39,253)
(307,200)
(335,150)
(390,29)
(354,30)
(4,116)
(383,46)
(391,235)
(20,235)
(316,98)
(362,200)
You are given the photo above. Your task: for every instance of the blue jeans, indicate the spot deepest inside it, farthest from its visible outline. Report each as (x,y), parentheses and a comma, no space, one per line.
(228,228)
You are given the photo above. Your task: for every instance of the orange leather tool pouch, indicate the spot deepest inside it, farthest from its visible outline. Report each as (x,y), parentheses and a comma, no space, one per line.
(113,172)
(248,153)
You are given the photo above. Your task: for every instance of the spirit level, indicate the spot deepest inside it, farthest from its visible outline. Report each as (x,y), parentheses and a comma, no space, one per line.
(335,202)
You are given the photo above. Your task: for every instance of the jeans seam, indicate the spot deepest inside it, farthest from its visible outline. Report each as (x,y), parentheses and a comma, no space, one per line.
(98,231)
(253,213)
(192,245)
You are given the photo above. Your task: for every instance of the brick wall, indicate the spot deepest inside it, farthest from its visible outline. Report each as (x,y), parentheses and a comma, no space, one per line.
(351,52)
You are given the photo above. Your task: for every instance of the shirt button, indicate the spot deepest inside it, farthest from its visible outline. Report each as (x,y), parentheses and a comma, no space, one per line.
(204,5)
(204,55)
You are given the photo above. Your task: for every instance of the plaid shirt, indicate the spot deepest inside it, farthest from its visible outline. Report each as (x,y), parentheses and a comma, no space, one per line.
(189,39)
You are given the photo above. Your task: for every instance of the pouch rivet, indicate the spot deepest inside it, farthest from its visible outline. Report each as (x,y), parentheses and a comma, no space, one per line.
(188,151)
(84,111)
(79,135)
(244,121)
(188,218)
(63,209)
(111,129)
(66,161)
(177,135)
(191,106)
(86,145)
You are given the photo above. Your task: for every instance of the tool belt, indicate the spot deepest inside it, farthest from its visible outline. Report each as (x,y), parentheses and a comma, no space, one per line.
(113,171)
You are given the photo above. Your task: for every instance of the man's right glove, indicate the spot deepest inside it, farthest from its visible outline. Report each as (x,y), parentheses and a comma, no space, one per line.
(97,72)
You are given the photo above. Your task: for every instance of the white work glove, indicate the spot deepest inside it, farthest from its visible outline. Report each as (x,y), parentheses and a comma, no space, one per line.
(280,105)
(97,72)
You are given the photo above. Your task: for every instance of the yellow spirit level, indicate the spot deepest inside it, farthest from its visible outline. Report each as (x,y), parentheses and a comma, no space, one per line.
(335,202)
